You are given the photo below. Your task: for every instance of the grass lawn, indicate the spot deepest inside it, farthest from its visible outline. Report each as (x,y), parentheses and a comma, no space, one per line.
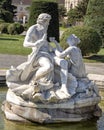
(13,44)
(10,44)
(99,57)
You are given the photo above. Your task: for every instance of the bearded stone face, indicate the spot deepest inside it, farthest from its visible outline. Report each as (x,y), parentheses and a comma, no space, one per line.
(44,19)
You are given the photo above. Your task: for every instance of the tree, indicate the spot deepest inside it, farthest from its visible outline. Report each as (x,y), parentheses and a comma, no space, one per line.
(72,16)
(62,14)
(95,16)
(78,13)
(62,11)
(46,6)
(6,10)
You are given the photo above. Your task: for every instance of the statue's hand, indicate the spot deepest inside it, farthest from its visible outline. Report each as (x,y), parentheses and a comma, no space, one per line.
(42,40)
(57,53)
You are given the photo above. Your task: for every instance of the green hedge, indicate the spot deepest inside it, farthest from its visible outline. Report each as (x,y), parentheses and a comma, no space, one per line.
(11,28)
(90,39)
(15,28)
(46,6)
(3,27)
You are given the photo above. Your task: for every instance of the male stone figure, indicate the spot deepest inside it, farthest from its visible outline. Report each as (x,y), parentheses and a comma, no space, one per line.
(40,63)
(36,38)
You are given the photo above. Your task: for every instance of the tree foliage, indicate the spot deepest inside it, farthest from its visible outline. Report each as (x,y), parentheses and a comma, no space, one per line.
(95,16)
(72,16)
(78,13)
(62,11)
(46,6)
(11,28)
(6,10)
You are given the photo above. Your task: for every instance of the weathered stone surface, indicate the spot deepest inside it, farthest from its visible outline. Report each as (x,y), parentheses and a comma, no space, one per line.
(49,115)
(6,107)
(69,104)
(87,102)
(11,97)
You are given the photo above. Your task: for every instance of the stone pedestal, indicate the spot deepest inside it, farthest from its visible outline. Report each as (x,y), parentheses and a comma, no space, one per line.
(72,110)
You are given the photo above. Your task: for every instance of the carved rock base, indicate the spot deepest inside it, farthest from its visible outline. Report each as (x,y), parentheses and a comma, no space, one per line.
(43,115)
(81,106)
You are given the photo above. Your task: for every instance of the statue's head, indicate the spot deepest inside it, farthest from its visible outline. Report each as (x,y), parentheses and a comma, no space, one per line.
(44,19)
(73,40)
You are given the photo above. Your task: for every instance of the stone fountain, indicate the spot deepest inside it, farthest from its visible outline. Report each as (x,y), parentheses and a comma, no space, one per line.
(47,88)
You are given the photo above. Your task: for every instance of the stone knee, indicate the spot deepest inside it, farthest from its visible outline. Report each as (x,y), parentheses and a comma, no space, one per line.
(46,64)
(49,67)
(64,64)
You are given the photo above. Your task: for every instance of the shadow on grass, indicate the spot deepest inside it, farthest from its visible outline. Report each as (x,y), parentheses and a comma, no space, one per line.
(97,58)
(13,39)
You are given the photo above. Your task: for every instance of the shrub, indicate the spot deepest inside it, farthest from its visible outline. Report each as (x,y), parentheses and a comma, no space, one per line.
(3,27)
(11,29)
(19,28)
(1,21)
(46,6)
(90,39)
(15,28)
(25,26)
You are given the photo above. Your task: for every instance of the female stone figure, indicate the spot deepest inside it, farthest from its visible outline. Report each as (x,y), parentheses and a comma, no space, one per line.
(76,65)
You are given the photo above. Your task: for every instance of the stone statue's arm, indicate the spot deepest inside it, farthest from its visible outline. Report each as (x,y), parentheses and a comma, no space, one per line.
(63,53)
(52,39)
(28,40)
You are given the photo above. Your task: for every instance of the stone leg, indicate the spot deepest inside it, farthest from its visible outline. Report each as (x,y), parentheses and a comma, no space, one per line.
(63,64)
(45,67)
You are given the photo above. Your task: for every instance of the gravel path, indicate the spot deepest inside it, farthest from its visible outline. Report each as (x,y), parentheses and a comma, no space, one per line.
(7,60)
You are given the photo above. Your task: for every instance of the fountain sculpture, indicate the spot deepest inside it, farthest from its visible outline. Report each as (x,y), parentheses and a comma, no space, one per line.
(48,88)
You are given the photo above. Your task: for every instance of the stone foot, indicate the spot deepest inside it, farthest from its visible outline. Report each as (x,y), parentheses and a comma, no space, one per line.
(63,93)
(38,97)
(53,97)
